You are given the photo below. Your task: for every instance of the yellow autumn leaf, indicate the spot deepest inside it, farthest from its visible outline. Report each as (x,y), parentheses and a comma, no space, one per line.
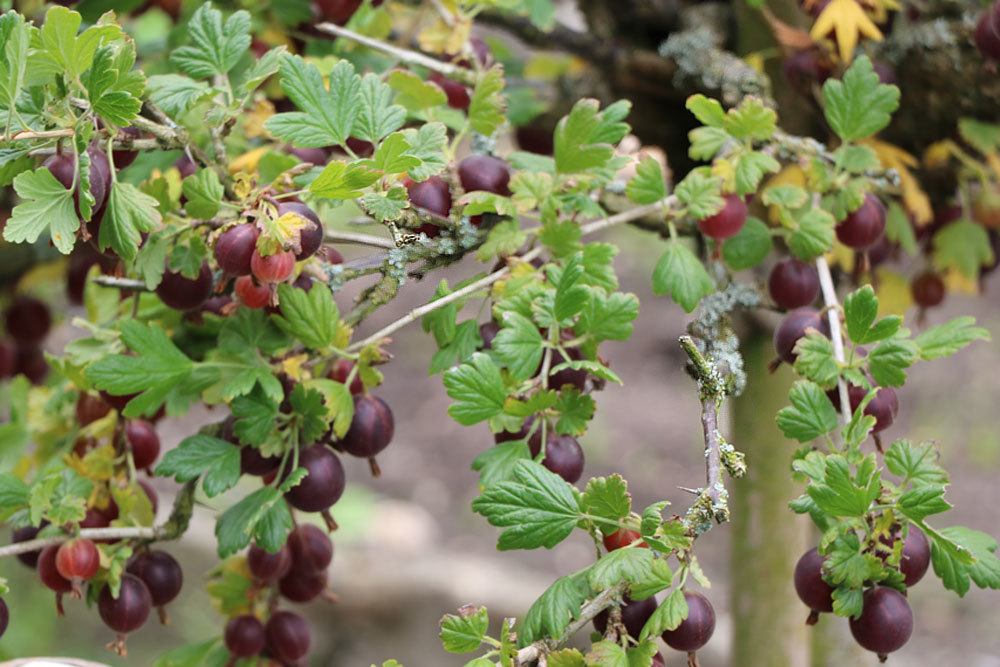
(959,283)
(916,201)
(939,153)
(248,161)
(841,256)
(893,292)
(725,170)
(292,366)
(441,38)
(847,20)
(253,124)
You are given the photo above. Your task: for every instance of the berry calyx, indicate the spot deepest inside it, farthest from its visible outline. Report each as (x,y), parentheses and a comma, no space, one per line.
(484,172)
(28,320)
(126,613)
(634,615)
(267,566)
(274,268)
(928,290)
(78,561)
(235,247)
(885,623)
(563,456)
(622,538)
(728,221)
(810,586)
(183,293)
(864,227)
(793,283)
(161,573)
(324,484)
(695,630)
(245,636)
(371,429)
(251,294)
(795,325)
(310,236)
(311,548)
(288,636)
(145,444)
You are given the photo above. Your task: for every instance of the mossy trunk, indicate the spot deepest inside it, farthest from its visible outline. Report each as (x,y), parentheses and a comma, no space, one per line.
(768,619)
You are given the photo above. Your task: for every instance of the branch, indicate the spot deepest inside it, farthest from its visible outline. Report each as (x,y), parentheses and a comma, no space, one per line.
(122,283)
(587,613)
(357,238)
(405,55)
(131,533)
(589,228)
(560,36)
(713,390)
(24,135)
(833,315)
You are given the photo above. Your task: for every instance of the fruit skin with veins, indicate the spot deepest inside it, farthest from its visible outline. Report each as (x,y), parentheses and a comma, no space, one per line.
(183,293)
(863,227)
(810,586)
(244,636)
(288,636)
(324,484)
(235,247)
(341,370)
(311,547)
(484,172)
(252,294)
(793,283)
(267,566)
(795,325)
(885,623)
(622,538)
(371,429)
(161,573)
(695,630)
(302,585)
(49,573)
(129,611)
(563,456)
(63,167)
(275,268)
(728,221)
(144,442)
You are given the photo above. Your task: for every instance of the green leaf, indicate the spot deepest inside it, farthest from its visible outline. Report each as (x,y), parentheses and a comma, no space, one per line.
(342,180)
(428,144)
(749,247)
(204,194)
(255,414)
(606,653)
(856,159)
(386,207)
(811,414)
(668,616)
(750,167)
(262,516)
(575,410)
(191,655)
(310,316)
(858,105)
(15,38)
(202,455)
(575,148)
(45,204)
(129,214)
(681,274)
(860,311)
(561,237)
(57,49)
(813,235)
(518,345)
(114,88)
(648,185)
(917,464)
(378,116)
(555,609)
(923,501)
(496,464)
(751,120)
(598,266)
(536,508)
(960,554)
(963,246)
(701,194)
(327,116)
(607,498)
(176,93)
(814,360)
(392,155)
(608,318)
(899,229)
(504,240)
(848,602)
(984,137)
(414,93)
(888,361)
(216,47)
(946,339)
(487,105)
(464,633)
(14,494)
(846,565)
(708,111)
(786,196)
(840,493)
(658,578)
(706,142)
(477,389)
(630,564)
(567,657)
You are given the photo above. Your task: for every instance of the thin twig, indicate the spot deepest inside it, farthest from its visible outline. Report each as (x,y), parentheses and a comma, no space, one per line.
(833,315)
(25,135)
(359,239)
(587,613)
(122,283)
(405,55)
(713,390)
(589,228)
(131,533)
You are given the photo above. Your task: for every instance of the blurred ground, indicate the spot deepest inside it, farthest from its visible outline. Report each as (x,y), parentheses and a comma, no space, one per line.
(410,549)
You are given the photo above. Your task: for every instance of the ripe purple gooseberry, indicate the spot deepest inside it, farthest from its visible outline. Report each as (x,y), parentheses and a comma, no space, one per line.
(484,172)
(563,455)
(371,429)
(245,636)
(145,444)
(288,636)
(28,320)
(810,585)
(695,630)
(126,613)
(885,623)
(863,227)
(311,548)
(792,328)
(928,289)
(267,566)
(728,221)
(235,247)
(793,283)
(310,236)
(324,483)
(634,615)
(183,293)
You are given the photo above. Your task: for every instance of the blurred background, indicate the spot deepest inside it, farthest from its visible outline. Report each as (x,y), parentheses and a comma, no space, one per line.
(410,550)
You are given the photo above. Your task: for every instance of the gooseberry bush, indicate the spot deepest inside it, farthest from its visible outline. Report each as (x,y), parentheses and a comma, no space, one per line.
(209,275)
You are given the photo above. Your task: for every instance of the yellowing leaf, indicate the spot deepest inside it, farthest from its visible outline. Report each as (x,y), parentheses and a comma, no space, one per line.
(841,256)
(939,153)
(248,161)
(847,20)
(957,282)
(725,170)
(253,124)
(292,366)
(790,175)
(893,292)
(915,199)
(441,38)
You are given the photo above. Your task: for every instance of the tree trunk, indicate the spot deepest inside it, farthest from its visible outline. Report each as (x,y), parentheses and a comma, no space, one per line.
(768,619)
